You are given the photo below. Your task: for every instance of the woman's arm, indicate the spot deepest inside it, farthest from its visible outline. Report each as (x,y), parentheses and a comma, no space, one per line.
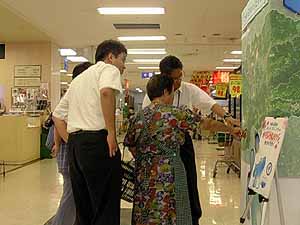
(214,125)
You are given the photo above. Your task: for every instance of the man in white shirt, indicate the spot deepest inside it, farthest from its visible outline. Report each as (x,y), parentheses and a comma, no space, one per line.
(187,94)
(95,162)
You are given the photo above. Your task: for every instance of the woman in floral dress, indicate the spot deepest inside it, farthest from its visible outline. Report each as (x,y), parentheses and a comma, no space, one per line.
(154,137)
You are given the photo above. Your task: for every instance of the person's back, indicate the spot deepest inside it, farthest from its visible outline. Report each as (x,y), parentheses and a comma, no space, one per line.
(85,98)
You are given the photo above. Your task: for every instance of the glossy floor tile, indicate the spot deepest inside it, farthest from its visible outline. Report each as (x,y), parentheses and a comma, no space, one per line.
(30,196)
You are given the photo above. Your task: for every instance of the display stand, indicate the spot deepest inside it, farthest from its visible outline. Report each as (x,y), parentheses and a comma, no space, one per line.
(264,171)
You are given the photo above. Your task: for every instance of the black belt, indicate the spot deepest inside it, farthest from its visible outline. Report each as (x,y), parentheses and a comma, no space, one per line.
(88,132)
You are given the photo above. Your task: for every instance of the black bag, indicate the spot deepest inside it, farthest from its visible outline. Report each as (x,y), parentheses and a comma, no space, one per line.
(49,122)
(127,189)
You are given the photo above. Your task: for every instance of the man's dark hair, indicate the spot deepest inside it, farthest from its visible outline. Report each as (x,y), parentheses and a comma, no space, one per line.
(157,84)
(109,46)
(78,69)
(168,64)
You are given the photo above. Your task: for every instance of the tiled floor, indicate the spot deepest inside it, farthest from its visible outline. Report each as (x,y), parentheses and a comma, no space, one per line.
(29,196)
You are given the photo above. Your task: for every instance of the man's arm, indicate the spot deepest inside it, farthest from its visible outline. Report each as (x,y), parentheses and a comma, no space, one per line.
(108,104)
(60,115)
(217,109)
(202,100)
(57,143)
(61,128)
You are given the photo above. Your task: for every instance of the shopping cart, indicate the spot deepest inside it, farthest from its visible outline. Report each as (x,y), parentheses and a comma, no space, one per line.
(231,157)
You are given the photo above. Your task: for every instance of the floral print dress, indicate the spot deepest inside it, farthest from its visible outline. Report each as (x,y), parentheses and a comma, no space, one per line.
(161,193)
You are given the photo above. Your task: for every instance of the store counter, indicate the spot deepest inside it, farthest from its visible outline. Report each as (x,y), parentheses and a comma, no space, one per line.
(19,138)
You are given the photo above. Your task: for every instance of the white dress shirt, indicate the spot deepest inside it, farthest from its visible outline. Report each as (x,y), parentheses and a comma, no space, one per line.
(191,96)
(81,105)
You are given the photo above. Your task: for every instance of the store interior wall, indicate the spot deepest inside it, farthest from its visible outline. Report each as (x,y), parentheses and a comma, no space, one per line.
(36,53)
(271,69)
(55,90)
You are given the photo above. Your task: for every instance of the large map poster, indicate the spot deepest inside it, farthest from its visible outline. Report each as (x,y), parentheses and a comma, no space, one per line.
(273,131)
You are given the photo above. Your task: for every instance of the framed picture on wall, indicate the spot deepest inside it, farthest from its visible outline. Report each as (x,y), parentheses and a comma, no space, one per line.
(28,70)
(27,82)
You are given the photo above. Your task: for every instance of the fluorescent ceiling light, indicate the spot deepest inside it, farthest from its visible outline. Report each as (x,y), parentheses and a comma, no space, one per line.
(232,60)
(236,52)
(77,59)
(131,10)
(67,52)
(157,73)
(149,51)
(146,60)
(63,71)
(148,67)
(64,83)
(142,38)
(226,67)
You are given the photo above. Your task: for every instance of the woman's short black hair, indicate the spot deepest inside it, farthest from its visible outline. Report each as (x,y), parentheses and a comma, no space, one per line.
(168,64)
(109,46)
(157,84)
(78,69)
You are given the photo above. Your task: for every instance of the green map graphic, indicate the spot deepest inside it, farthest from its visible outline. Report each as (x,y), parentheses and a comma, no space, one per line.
(271,69)
(272,84)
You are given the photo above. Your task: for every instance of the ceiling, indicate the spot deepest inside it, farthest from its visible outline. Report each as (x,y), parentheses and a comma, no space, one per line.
(201,33)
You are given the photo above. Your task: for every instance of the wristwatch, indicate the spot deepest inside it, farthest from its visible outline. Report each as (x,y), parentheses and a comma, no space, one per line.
(226,115)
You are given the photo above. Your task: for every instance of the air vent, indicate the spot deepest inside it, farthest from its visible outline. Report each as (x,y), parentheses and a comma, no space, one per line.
(137,26)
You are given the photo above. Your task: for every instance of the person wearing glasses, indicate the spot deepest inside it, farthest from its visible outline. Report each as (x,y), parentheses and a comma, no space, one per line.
(191,96)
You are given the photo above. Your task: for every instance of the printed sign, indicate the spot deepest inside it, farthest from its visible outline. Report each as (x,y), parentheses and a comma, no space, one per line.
(147,75)
(27,82)
(251,10)
(235,85)
(28,71)
(221,90)
(273,131)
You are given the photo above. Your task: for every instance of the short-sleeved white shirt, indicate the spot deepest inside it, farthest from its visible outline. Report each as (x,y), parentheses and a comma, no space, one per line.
(191,96)
(81,105)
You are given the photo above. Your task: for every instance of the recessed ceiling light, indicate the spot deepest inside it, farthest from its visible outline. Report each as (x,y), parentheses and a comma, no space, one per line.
(148,67)
(146,60)
(63,71)
(236,52)
(77,59)
(142,38)
(226,67)
(67,52)
(232,60)
(131,10)
(149,51)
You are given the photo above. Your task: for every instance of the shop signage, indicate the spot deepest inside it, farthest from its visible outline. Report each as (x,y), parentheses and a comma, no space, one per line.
(147,75)
(27,82)
(292,5)
(251,10)
(28,71)
(272,135)
(220,77)
(201,78)
(221,90)
(235,85)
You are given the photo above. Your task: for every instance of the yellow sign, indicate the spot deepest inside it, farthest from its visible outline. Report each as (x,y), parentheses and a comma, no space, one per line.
(221,90)
(235,85)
